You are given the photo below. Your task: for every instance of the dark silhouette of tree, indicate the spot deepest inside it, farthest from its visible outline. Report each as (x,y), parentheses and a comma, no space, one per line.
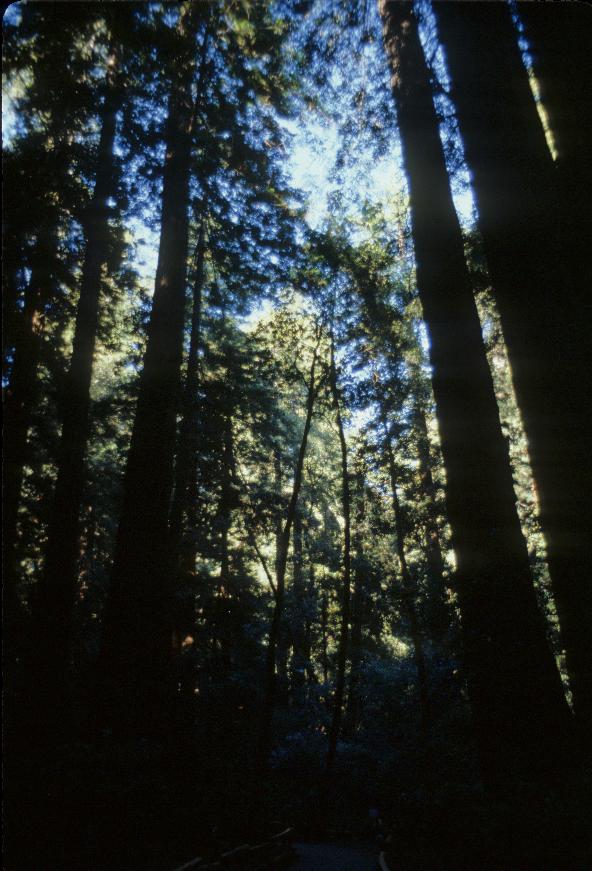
(513,680)
(358,597)
(559,44)
(56,592)
(43,186)
(137,630)
(185,465)
(516,191)
(345,597)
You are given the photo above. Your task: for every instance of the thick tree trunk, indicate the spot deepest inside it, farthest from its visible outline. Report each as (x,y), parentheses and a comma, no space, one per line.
(137,625)
(342,649)
(519,708)
(57,589)
(560,42)
(541,306)
(280,587)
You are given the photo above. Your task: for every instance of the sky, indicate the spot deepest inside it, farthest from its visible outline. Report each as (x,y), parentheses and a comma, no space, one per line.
(310,161)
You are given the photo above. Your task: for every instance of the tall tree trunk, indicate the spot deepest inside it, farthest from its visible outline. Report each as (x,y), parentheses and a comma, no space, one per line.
(185,467)
(408,592)
(559,39)
(299,656)
(282,650)
(540,305)
(283,643)
(520,713)
(137,626)
(357,609)
(310,598)
(279,522)
(57,589)
(559,44)
(437,611)
(342,649)
(325,637)
(281,564)
(226,505)
(225,589)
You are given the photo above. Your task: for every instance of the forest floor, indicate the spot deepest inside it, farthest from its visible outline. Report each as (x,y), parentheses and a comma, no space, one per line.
(335,857)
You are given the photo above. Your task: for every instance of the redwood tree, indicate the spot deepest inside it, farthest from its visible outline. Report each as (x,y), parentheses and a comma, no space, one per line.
(539,293)
(137,629)
(519,709)
(55,599)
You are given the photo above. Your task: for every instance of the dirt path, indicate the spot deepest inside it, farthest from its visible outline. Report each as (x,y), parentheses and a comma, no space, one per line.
(335,857)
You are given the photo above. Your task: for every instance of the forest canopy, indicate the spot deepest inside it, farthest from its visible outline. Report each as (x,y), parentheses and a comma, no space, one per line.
(296,446)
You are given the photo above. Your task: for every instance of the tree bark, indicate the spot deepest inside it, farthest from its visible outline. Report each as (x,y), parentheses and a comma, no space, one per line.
(519,708)
(57,588)
(137,625)
(342,650)
(560,44)
(541,306)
